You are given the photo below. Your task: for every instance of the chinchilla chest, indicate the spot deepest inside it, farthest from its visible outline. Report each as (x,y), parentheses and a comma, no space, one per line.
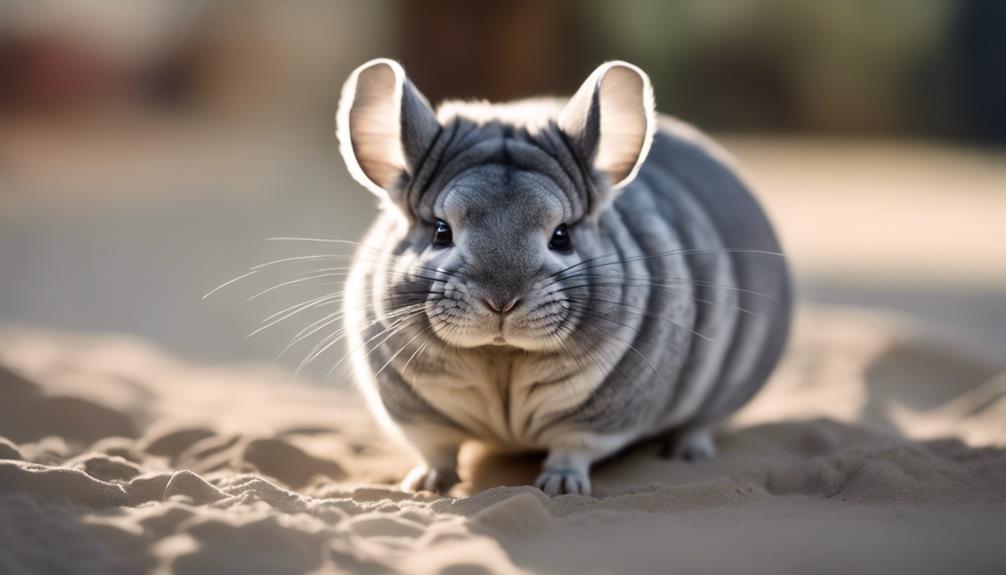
(505,397)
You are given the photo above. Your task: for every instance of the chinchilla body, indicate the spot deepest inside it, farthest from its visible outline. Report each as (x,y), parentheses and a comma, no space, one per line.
(566,276)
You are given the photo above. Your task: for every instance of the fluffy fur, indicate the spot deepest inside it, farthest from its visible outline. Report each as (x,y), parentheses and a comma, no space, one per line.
(668,313)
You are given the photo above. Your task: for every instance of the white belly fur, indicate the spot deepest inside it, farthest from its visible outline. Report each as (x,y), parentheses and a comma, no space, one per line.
(502,404)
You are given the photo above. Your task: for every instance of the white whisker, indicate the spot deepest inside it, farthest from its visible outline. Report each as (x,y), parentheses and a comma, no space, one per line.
(293,282)
(299,258)
(229,282)
(323,300)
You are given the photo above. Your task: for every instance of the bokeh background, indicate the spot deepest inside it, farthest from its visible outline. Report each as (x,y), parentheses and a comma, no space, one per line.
(148,147)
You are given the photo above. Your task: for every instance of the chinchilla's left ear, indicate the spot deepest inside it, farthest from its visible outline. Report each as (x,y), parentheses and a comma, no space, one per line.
(610,121)
(385,126)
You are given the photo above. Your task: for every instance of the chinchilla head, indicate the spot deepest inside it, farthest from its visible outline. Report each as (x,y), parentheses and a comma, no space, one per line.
(497,206)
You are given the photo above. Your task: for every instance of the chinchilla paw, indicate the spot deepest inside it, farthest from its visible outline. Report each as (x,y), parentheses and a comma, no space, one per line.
(424,478)
(563,481)
(697,446)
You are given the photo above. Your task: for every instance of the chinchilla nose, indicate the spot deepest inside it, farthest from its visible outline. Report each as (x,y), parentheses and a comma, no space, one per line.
(501,267)
(500,305)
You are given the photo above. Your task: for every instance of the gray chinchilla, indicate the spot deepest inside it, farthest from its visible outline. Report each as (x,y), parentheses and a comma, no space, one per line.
(566,276)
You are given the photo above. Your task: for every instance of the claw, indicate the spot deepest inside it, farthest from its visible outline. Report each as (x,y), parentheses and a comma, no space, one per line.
(562,481)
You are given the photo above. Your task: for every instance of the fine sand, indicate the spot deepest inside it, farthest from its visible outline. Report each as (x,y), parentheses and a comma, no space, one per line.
(877,447)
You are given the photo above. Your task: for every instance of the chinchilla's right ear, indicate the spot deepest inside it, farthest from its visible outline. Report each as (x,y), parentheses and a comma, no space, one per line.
(385,126)
(610,122)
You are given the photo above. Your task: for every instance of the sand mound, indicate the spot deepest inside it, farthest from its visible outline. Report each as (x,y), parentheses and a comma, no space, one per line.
(875,449)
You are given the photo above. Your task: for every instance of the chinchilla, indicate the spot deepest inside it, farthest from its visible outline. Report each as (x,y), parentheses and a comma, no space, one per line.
(565,276)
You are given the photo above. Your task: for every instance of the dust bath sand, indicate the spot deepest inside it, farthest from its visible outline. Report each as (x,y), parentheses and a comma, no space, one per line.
(877,447)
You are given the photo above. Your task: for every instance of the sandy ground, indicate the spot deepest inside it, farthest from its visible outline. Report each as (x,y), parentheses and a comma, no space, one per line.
(878,447)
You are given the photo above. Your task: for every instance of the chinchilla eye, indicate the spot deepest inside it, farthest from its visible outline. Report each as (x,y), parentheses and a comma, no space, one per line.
(442,236)
(560,242)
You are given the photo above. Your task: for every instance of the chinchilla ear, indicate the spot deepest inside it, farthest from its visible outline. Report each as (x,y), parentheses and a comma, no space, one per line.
(384,125)
(610,121)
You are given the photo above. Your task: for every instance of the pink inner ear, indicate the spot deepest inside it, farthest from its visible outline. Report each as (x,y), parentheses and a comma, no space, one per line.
(375,124)
(626,123)
(612,120)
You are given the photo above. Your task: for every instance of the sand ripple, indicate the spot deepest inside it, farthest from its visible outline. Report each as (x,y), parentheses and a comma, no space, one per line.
(117,459)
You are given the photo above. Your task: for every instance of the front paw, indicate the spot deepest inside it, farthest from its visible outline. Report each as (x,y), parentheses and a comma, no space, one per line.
(425,478)
(695,446)
(563,480)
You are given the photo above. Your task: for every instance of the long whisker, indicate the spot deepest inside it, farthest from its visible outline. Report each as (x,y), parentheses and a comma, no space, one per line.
(649,363)
(394,330)
(294,310)
(590,262)
(654,285)
(385,261)
(311,330)
(584,310)
(739,308)
(336,336)
(229,282)
(401,349)
(589,354)
(421,347)
(659,280)
(297,259)
(321,240)
(293,282)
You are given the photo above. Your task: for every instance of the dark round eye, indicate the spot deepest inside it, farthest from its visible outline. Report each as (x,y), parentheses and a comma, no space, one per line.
(442,236)
(560,242)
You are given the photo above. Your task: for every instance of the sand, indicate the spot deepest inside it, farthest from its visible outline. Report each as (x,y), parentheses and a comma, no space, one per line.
(877,447)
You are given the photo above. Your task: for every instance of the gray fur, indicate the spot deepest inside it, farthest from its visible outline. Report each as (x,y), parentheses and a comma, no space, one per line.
(669,313)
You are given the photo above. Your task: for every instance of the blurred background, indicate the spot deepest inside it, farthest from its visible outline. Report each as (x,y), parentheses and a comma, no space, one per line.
(148,147)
